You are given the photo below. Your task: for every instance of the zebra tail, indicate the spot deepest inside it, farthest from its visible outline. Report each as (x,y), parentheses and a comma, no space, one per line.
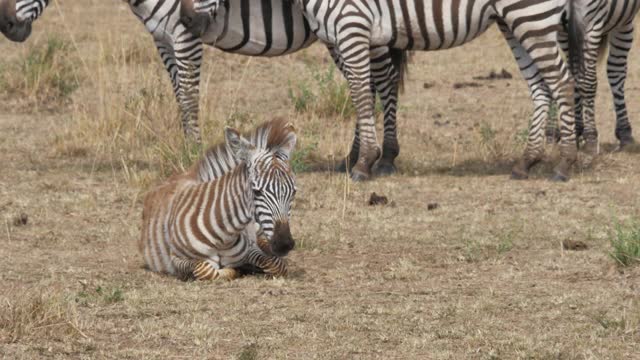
(576,31)
(400,60)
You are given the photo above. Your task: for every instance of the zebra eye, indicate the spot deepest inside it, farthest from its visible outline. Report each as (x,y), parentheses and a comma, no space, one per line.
(257,192)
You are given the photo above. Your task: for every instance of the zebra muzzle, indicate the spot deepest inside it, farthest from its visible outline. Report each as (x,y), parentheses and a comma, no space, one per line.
(282,242)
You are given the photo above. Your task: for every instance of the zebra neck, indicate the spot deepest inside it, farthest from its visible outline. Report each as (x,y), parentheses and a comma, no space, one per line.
(231,199)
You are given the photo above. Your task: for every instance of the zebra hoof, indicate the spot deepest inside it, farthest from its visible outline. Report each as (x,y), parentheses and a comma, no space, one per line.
(624,143)
(520,171)
(559,177)
(384,169)
(358,176)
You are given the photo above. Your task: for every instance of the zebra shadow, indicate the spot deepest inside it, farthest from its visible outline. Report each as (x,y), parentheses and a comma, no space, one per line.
(614,148)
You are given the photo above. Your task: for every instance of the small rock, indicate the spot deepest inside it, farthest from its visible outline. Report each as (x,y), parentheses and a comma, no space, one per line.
(376,199)
(432,206)
(575,245)
(21,220)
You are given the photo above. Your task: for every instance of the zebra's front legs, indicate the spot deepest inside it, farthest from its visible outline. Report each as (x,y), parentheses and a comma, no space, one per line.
(188,55)
(191,269)
(620,42)
(269,264)
(357,63)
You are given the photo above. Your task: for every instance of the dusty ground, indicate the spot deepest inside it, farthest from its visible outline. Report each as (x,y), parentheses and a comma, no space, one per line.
(483,275)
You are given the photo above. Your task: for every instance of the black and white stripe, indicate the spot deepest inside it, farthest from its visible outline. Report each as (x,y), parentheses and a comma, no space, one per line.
(255,28)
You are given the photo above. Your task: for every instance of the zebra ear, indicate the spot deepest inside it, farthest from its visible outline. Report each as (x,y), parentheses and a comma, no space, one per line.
(285,148)
(240,147)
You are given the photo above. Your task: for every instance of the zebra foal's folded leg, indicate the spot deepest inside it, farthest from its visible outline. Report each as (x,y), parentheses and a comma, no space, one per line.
(270,265)
(191,269)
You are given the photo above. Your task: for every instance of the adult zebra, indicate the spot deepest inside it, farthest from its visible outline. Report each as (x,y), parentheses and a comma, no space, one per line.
(255,28)
(16,17)
(354,26)
(530,26)
(202,224)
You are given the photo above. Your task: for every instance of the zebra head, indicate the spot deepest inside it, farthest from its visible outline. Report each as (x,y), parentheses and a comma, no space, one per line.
(16,17)
(197,15)
(271,185)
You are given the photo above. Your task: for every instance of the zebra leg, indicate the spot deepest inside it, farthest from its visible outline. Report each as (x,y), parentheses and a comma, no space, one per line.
(385,73)
(182,61)
(353,47)
(350,161)
(191,269)
(587,83)
(271,265)
(619,45)
(547,57)
(541,97)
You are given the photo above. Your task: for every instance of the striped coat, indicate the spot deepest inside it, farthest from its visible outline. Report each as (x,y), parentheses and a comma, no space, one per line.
(229,210)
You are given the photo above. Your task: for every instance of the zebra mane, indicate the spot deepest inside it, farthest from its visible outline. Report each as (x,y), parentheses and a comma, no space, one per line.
(218,159)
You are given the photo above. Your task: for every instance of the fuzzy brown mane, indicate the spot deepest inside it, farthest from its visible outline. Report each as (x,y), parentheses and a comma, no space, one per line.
(268,135)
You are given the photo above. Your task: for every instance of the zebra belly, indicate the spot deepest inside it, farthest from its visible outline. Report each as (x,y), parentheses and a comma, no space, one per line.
(260,28)
(440,24)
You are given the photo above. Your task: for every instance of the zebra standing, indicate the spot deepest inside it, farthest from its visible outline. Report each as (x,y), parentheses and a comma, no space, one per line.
(614,22)
(354,26)
(255,28)
(16,17)
(202,224)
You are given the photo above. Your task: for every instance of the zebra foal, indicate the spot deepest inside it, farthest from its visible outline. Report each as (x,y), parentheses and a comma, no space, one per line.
(229,211)
(16,17)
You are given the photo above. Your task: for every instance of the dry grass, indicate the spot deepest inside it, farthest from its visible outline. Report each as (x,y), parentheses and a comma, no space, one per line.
(483,275)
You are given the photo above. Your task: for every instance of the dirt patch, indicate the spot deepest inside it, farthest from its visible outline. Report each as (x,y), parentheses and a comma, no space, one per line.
(502,75)
(466,84)
(575,245)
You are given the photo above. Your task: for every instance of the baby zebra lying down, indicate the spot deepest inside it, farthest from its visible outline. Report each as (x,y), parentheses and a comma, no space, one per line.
(229,212)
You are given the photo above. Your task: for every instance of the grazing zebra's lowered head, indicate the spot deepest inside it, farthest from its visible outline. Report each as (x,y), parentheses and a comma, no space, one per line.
(271,182)
(16,17)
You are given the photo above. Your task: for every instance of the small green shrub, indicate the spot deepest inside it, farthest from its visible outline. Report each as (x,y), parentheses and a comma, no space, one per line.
(625,241)
(300,158)
(46,74)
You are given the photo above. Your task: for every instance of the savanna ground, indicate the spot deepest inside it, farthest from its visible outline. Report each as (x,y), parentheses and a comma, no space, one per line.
(89,123)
